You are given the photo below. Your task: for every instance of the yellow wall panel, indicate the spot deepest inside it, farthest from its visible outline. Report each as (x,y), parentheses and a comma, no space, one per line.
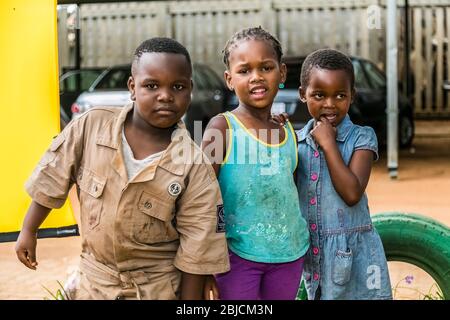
(29,104)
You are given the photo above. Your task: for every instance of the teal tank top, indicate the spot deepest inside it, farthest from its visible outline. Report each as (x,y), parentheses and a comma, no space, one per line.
(263,221)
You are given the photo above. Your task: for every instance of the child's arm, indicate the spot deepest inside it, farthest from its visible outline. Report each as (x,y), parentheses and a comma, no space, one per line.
(26,242)
(48,186)
(214,143)
(191,286)
(349,182)
(203,248)
(281,119)
(213,139)
(210,289)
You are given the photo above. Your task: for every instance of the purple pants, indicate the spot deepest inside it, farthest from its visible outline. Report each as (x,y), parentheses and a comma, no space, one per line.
(248,280)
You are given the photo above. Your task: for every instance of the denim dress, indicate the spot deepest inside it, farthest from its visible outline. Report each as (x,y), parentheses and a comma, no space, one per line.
(346,259)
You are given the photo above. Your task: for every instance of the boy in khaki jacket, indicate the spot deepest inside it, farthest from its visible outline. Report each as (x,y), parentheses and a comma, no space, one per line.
(150,202)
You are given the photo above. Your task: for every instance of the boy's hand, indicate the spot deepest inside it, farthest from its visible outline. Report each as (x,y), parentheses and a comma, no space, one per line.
(26,249)
(210,290)
(280,119)
(324,133)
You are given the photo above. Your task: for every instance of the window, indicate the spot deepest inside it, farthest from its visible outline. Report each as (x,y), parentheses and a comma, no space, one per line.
(115,79)
(85,78)
(198,79)
(360,77)
(211,79)
(376,77)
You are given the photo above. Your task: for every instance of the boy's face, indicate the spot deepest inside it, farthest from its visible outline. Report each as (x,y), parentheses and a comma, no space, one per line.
(254,73)
(328,94)
(161,85)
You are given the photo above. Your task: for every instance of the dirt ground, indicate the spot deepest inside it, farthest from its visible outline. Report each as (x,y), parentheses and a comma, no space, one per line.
(422,187)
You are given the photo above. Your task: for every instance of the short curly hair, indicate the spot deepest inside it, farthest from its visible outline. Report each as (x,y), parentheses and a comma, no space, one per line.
(163,45)
(328,59)
(254,33)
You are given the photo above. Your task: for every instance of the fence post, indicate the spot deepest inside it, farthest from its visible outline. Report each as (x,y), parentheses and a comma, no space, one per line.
(163,19)
(267,16)
(392,88)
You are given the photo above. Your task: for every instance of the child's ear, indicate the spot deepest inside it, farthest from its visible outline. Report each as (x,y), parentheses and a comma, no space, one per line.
(283,71)
(302,93)
(131,88)
(227,76)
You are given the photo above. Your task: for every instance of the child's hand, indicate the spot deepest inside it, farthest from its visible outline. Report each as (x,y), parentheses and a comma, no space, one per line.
(210,290)
(280,119)
(323,133)
(26,249)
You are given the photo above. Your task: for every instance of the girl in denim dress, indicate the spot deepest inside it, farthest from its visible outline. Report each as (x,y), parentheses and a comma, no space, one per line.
(346,259)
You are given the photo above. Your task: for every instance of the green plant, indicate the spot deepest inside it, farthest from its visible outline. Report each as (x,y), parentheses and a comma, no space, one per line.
(60,294)
(437,295)
(434,293)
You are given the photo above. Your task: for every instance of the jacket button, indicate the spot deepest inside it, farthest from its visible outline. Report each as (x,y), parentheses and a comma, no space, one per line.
(316,276)
(315,251)
(147,204)
(313,227)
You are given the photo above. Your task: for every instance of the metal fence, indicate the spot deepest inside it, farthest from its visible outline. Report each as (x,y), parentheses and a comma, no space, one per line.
(111,32)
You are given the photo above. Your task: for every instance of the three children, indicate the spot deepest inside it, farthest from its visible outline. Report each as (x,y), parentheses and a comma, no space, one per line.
(153,226)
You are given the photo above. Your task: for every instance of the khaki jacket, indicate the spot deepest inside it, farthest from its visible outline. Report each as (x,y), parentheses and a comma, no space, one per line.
(164,220)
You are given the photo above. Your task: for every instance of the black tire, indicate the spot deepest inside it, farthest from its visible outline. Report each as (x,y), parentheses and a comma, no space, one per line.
(405,131)
(418,240)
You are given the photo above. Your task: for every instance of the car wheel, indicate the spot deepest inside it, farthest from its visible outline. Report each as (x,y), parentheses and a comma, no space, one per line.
(405,131)
(418,240)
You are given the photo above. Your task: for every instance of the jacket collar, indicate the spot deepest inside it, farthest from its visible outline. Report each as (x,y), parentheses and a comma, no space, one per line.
(343,129)
(111,132)
(172,159)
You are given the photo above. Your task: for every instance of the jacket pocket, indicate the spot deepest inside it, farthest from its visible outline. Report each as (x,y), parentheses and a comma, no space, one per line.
(153,220)
(342,266)
(92,187)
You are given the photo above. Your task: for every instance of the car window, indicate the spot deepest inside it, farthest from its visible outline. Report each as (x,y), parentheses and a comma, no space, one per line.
(360,77)
(199,79)
(86,78)
(376,77)
(212,81)
(293,75)
(115,79)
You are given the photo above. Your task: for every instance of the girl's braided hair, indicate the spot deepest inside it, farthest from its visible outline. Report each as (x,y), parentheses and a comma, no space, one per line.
(254,33)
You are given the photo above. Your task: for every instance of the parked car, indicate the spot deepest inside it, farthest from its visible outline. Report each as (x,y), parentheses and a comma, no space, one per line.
(64,119)
(209,95)
(71,84)
(368,107)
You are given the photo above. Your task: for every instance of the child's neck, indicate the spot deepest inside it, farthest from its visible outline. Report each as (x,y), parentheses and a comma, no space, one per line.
(260,119)
(138,125)
(144,139)
(261,114)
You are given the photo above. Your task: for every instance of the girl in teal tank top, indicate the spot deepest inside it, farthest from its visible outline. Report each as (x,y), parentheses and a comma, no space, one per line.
(262,211)
(255,160)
